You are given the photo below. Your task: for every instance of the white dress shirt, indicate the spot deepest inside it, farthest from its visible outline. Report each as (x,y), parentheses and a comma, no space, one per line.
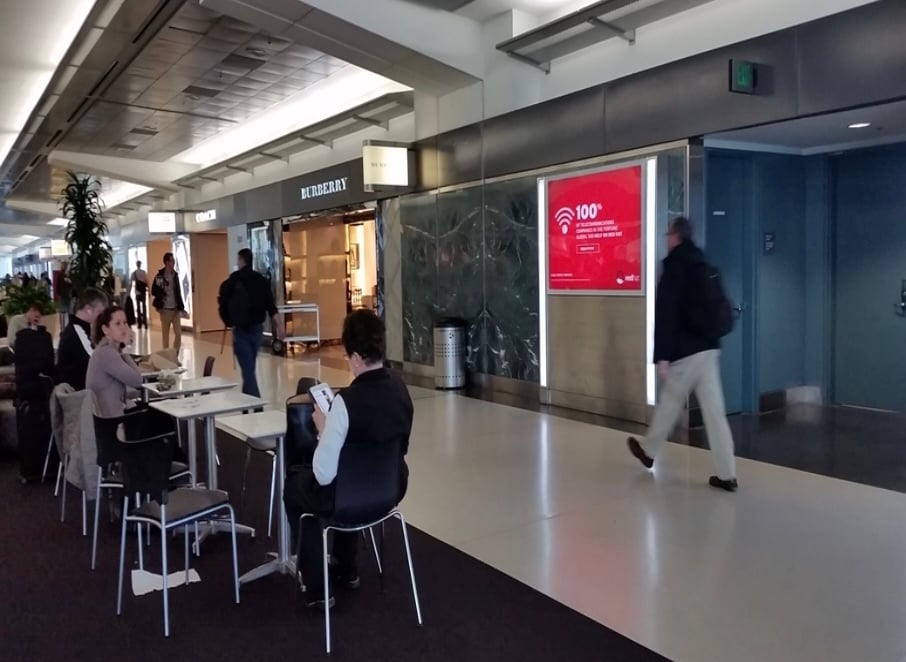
(330,443)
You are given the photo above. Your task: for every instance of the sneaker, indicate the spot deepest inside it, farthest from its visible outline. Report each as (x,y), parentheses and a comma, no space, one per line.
(728,485)
(344,578)
(636,449)
(314,599)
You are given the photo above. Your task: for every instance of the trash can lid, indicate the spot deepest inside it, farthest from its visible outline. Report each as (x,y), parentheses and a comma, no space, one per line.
(450,322)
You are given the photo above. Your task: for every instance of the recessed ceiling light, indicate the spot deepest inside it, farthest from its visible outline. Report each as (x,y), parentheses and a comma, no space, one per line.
(860,125)
(59,222)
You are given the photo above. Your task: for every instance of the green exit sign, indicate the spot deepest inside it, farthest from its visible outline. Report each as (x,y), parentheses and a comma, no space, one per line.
(743,76)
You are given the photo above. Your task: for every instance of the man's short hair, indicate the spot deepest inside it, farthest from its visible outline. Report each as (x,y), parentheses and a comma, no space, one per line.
(91,296)
(364,334)
(168,257)
(37,307)
(682,228)
(246,256)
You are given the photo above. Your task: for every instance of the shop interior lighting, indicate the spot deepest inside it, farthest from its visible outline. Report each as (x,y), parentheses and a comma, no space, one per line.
(860,125)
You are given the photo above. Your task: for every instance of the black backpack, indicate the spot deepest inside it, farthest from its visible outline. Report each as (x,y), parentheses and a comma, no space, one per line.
(235,305)
(709,313)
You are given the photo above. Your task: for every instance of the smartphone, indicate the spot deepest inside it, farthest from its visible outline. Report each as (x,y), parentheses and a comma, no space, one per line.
(323,396)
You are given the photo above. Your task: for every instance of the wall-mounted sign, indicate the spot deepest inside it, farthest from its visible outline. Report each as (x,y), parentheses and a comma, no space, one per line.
(59,248)
(162,222)
(44,253)
(330,187)
(594,229)
(205,216)
(743,77)
(385,165)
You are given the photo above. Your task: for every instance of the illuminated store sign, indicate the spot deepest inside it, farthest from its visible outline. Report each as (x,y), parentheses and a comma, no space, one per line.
(162,222)
(325,188)
(385,166)
(205,216)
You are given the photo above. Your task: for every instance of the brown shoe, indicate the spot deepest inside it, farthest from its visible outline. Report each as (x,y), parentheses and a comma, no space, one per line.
(636,449)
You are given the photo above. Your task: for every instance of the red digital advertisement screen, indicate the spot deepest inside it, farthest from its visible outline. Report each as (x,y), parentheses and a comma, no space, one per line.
(594,230)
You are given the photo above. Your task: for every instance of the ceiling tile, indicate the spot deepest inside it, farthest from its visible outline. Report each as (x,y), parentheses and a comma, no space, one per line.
(202,58)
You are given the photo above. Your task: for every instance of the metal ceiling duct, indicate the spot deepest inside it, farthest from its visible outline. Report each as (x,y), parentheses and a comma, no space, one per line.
(114,34)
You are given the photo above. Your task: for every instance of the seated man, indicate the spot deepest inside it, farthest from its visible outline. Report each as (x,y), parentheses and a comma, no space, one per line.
(75,341)
(376,408)
(31,319)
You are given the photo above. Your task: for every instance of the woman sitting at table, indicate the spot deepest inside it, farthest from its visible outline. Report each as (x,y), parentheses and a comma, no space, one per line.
(110,372)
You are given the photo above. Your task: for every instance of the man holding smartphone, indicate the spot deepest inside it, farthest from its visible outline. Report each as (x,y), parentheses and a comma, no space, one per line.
(375,408)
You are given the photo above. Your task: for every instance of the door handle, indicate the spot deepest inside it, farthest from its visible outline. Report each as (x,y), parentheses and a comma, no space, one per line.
(738,310)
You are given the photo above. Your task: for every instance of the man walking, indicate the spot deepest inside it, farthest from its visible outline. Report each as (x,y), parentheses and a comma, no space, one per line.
(168,301)
(245,301)
(686,351)
(140,289)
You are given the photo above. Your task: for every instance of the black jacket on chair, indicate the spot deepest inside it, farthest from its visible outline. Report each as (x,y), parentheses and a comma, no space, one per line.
(672,338)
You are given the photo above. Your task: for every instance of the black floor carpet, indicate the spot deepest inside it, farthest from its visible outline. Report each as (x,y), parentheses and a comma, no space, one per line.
(52,607)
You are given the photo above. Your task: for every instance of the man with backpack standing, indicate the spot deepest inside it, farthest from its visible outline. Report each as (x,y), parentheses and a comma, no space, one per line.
(692,314)
(245,301)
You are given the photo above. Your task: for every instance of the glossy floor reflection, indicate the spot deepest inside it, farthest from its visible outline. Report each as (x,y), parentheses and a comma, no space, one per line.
(795,566)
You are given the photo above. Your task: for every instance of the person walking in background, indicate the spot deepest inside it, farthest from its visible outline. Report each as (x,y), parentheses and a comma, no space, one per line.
(139,282)
(244,302)
(691,315)
(167,301)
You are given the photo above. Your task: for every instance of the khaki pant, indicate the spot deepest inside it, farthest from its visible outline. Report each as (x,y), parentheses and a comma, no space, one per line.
(170,318)
(700,373)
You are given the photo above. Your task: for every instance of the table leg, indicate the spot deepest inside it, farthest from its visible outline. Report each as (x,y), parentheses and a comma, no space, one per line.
(215,526)
(193,451)
(211,451)
(283,563)
(283,530)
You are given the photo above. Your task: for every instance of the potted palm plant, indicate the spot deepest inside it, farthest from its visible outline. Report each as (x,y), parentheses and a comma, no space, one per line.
(86,233)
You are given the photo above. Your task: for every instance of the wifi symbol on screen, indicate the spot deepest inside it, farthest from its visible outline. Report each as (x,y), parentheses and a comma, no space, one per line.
(565,216)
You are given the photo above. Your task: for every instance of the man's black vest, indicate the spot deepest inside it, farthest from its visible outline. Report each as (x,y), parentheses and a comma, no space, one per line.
(379,407)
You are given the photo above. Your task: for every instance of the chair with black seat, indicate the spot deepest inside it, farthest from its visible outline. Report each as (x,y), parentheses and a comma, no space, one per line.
(367,493)
(109,472)
(145,455)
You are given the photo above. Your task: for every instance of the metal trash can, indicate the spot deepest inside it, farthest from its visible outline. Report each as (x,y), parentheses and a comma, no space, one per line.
(449,353)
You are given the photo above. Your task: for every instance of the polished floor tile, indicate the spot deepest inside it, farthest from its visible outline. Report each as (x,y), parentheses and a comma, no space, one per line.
(795,566)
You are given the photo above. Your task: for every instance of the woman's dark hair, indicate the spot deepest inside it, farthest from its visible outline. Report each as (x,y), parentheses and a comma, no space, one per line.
(103,320)
(364,334)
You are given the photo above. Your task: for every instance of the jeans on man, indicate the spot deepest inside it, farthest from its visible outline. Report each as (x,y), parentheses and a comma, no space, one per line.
(141,310)
(246,343)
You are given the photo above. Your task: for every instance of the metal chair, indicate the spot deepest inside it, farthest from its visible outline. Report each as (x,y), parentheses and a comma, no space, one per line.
(60,392)
(110,476)
(367,493)
(145,456)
